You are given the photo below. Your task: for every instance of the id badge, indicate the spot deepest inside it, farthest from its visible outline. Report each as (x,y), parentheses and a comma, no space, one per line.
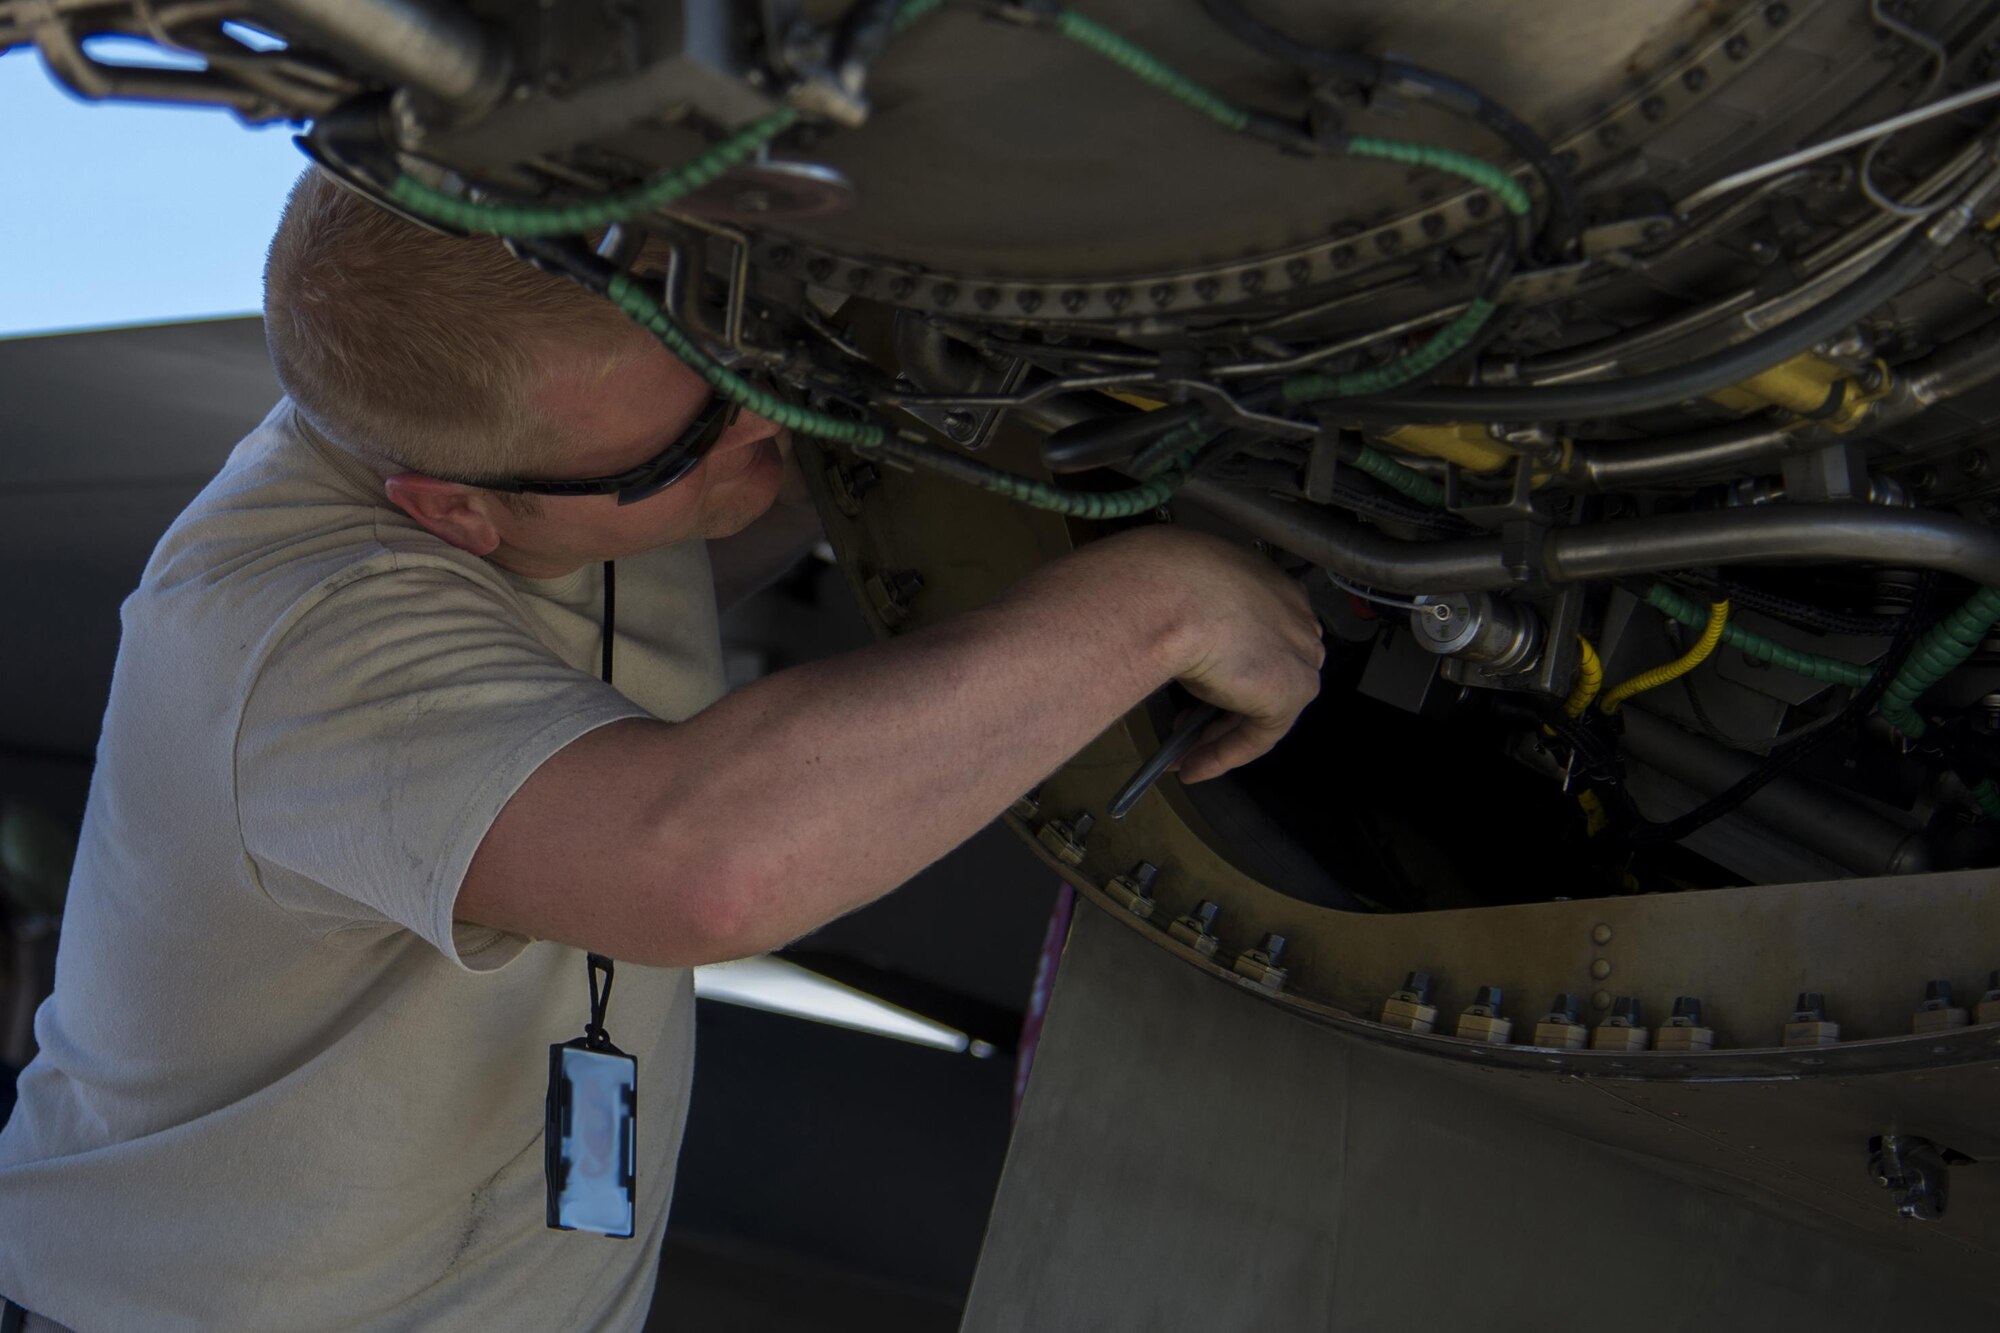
(590,1140)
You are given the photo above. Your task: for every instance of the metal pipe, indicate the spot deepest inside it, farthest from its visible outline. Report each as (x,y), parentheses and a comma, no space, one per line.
(1841,533)
(433,48)
(1944,106)
(1836,533)
(1814,816)
(1959,367)
(1352,550)
(1611,465)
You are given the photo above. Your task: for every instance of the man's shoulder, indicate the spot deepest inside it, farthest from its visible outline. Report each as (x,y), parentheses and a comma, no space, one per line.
(282,525)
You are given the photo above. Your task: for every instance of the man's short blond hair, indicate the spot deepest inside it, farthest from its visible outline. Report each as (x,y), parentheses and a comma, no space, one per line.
(421,351)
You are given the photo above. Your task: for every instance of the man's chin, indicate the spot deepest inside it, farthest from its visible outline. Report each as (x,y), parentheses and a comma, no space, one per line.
(744,499)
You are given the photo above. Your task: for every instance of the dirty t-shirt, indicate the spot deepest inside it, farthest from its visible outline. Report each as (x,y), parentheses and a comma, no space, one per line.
(278,1086)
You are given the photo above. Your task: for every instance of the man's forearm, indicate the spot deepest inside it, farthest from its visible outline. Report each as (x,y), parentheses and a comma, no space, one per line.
(818,789)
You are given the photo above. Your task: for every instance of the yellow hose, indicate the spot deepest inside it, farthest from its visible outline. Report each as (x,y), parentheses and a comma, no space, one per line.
(1589,679)
(1711,635)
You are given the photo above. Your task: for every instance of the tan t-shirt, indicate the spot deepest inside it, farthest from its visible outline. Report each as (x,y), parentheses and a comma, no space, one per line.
(278,1086)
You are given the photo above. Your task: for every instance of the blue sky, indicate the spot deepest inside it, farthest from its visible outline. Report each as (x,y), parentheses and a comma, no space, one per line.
(129,214)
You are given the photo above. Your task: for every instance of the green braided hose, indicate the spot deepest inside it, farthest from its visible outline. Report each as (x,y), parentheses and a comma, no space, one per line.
(1513,196)
(1987,797)
(912,10)
(1832,671)
(643,310)
(1170,448)
(499,219)
(1439,348)
(1408,481)
(1940,652)
(1149,494)
(1149,68)
(872,437)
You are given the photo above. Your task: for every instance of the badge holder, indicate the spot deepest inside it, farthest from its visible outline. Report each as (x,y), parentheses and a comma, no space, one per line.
(590,1139)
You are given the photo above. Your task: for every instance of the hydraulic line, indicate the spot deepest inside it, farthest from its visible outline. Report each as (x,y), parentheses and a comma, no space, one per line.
(1940,652)
(1987,797)
(1148,494)
(1691,379)
(1405,481)
(1151,69)
(1589,679)
(1755,646)
(1416,83)
(864,436)
(1711,635)
(1792,753)
(531,220)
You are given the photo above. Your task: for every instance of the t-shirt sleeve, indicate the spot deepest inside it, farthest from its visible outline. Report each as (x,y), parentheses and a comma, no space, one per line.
(384,731)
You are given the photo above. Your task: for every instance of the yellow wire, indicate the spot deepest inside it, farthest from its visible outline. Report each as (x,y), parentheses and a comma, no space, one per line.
(1589,679)
(1718,617)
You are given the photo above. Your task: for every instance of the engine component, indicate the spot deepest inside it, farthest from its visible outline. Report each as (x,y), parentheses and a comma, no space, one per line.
(1498,636)
(1671,308)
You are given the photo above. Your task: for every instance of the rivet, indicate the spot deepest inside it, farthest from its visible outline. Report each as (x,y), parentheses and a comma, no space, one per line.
(1478,205)
(900,288)
(944,293)
(780,255)
(986,297)
(1117,298)
(1600,934)
(1653,108)
(1342,256)
(1161,294)
(1252,281)
(1695,79)
(1207,288)
(1074,298)
(1433,225)
(1601,1000)
(1600,969)
(1389,242)
(1297,270)
(1775,15)
(1610,135)
(1029,301)
(858,279)
(1736,47)
(819,270)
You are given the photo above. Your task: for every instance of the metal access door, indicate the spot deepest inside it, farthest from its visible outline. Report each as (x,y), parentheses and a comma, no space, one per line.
(1191,1158)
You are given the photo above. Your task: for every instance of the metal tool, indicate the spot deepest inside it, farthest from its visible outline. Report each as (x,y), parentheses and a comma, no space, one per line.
(1178,744)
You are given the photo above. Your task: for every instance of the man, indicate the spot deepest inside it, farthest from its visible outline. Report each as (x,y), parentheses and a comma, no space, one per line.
(362,801)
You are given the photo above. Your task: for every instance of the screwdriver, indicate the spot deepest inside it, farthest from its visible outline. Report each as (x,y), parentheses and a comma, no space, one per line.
(1179,743)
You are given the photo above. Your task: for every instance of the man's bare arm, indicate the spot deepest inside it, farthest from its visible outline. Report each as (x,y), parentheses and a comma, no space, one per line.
(818,789)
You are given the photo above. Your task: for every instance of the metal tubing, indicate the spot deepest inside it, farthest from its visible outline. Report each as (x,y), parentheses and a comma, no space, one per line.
(1809,814)
(1841,533)
(1611,465)
(1959,367)
(1836,533)
(1351,550)
(433,48)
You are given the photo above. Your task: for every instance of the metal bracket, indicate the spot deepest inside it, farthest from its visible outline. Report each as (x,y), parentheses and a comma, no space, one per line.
(1916,1173)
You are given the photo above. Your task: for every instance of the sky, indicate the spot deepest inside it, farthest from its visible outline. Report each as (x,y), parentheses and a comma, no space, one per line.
(114,214)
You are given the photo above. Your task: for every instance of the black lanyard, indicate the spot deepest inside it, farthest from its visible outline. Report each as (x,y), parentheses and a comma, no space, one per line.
(597,962)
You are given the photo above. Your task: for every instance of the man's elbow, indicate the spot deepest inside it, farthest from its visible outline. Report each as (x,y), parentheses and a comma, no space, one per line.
(715,915)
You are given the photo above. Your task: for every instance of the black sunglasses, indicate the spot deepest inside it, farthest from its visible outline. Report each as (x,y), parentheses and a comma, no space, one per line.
(649,478)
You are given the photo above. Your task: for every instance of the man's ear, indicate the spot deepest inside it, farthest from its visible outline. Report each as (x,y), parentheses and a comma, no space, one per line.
(450,510)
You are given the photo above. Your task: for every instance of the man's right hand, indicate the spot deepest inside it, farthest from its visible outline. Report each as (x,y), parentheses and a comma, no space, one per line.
(1247,641)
